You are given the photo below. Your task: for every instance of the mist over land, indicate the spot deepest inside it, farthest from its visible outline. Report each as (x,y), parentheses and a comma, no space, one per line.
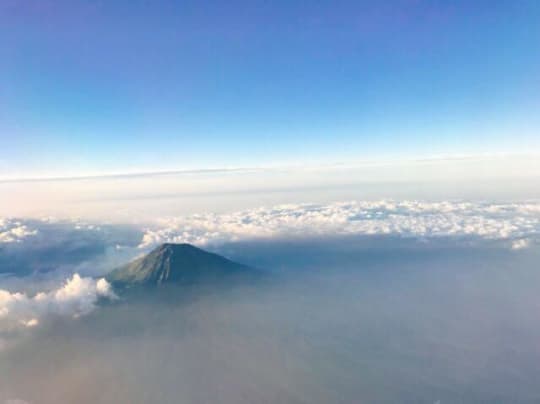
(386,302)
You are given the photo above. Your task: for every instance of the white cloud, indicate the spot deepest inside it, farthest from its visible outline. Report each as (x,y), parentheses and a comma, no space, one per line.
(30,323)
(385,217)
(520,244)
(13,231)
(78,296)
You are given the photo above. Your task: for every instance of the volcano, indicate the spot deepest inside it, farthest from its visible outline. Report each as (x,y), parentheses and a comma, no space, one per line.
(176,264)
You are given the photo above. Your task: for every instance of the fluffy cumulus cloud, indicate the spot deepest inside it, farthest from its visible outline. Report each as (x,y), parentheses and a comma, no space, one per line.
(14,231)
(76,297)
(504,221)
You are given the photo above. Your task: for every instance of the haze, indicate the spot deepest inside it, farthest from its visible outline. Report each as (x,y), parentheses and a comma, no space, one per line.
(367,172)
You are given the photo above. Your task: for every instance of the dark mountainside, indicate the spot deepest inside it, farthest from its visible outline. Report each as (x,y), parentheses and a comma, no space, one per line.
(179,264)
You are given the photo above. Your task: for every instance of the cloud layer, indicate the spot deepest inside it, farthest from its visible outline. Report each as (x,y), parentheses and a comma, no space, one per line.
(38,246)
(406,218)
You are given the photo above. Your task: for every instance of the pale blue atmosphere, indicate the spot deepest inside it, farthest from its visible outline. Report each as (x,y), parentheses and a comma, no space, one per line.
(100,87)
(269,202)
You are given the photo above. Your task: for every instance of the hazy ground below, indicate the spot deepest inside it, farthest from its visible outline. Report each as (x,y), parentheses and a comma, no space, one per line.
(340,321)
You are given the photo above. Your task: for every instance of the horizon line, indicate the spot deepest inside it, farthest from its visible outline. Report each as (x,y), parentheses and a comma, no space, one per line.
(269,167)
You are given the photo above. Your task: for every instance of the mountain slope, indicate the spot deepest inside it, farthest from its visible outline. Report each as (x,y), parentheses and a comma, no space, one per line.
(178,264)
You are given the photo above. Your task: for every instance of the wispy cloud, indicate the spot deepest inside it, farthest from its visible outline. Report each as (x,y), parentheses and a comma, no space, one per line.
(133,174)
(388,161)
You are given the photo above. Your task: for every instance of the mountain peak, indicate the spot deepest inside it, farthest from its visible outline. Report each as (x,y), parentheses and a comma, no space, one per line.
(175,263)
(176,247)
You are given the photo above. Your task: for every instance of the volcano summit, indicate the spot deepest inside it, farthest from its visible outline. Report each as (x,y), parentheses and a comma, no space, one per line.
(176,264)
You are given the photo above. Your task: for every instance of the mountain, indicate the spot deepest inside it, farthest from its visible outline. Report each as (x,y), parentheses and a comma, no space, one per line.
(176,264)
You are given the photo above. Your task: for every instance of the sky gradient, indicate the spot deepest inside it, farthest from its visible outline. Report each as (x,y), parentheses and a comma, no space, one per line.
(101,87)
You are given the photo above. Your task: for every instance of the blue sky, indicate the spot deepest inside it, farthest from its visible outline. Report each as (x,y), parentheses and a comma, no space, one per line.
(97,86)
